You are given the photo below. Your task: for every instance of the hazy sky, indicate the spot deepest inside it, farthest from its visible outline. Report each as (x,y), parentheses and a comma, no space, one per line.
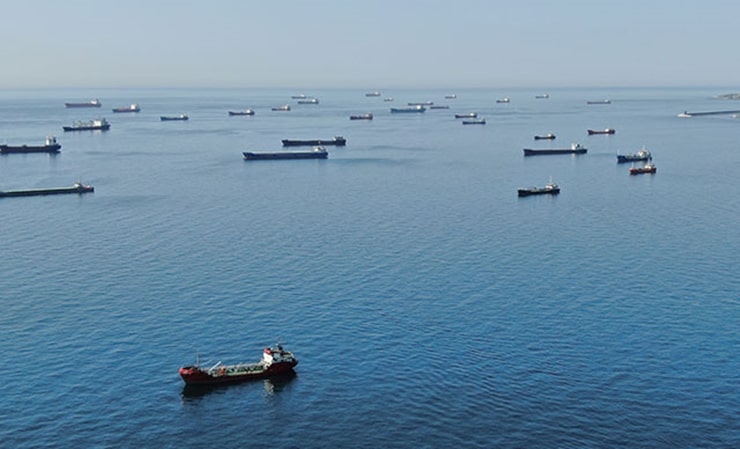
(368,44)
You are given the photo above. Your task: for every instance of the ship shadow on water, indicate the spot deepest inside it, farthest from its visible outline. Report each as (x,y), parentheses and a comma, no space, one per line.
(272,385)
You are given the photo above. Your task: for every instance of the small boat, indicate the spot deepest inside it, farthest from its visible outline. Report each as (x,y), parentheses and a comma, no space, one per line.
(599,102)
(315,153)
(548,136)
(78,187)
(92,125)
(245,112)
(503,100)
(647,168)
(600,131)
(468,115)
(418,108)
(285,107)
(309,101)
(133,107)
(373,94)
(440,106)
(421,103)
(338,141)
(474,121)
(169,118)
(542,97)
(642,155)
(576,148)
(275,362)
(684,114)
(50,146)
(94,103)
(450,97)
(366,116)
(549,189)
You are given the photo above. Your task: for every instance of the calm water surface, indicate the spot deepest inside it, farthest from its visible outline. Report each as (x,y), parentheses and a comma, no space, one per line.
(428,305)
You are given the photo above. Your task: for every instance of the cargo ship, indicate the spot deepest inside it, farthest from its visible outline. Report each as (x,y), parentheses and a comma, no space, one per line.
(417,108)
(338,141)
(78,187)
(366,116)
(170,118)
(474,121)
(285,107)
(133,107)
(548,136)
(92,125)
(647,168)
(467,115)
(315,153)
(309,101)
(50,146)
(245,112)
(550,189)
(600,131)
(94,103)
(576,148)
(642,155)
(275,361)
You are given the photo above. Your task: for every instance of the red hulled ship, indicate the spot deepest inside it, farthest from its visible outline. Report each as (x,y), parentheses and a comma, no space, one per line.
(275,362)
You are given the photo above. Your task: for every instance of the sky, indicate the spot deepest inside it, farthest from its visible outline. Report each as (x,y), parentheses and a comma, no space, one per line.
(368,44)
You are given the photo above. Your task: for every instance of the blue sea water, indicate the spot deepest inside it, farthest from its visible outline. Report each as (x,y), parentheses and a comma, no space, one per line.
(428,305)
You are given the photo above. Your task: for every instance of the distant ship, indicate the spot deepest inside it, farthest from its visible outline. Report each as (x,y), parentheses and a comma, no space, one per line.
(576,148)
(647,168)
(450,97)
(440,106)
(92,125)
(338,141)
(315,153)
(642,155)
(543,96)
(275,362)
(245,112)
(474,121)
(599,102)
(503,100)
(421,103)
(78,187)
(131,108)
(418,108)
(309,101)
(285,107)
(550,189)
(366,116)
(548,136)
(169,118)
(50,146)
(468,115)
(373,94)
(95,103)
(299,96)
(600,131)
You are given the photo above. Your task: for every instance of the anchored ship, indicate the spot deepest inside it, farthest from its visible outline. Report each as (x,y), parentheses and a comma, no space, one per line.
(275,361)
(50,146)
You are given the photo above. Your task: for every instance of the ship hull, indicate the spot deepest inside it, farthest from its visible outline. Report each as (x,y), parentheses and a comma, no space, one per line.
(81,105)
(530,192)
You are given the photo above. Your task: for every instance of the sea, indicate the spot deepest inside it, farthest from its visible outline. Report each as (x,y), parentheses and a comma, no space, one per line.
(428,305)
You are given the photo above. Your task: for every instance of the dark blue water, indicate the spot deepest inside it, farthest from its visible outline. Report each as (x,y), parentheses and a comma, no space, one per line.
(428,305)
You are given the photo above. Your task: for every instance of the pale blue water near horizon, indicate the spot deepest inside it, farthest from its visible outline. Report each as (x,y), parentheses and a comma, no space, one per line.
(428,305)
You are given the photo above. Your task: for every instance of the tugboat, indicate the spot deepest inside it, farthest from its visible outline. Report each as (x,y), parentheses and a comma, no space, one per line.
(51,146)
(315,153)
(647,168)
(550,189)
(100,124)
(95,103)
(133,107)
(338,141)
(576,148)
(642,155)
(366,116)
(600,131)
(275,362)
(548,136)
